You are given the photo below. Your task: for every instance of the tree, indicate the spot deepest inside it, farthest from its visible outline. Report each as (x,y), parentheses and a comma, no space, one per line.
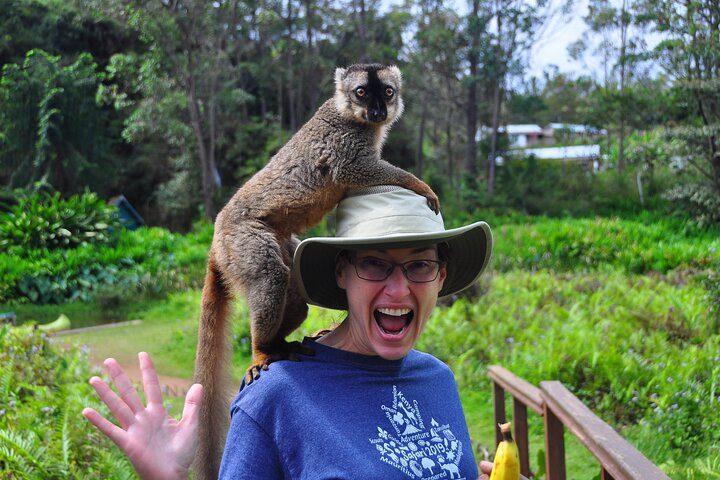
(431,73)
(516,24)
(58,28)
(50,125)
(187,43)
(475,24)
(620,47)
(690,54)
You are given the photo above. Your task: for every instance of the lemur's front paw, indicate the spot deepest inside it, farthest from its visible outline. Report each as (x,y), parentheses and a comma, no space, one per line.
(252,373)
(282,351)
(433,202)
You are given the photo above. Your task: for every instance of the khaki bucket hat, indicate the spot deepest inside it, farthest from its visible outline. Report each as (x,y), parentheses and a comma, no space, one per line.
(385,217)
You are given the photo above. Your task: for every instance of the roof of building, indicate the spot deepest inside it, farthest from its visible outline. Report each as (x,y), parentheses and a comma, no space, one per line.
(572,127)
(521,128)
(130,217)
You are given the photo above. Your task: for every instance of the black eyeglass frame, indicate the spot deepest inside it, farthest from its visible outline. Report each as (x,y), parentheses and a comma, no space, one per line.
(352,259)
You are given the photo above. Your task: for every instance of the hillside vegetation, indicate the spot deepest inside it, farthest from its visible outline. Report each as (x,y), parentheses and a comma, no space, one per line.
(623,311)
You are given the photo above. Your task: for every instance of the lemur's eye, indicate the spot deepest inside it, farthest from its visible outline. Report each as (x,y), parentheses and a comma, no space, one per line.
(389,92)
(360,92)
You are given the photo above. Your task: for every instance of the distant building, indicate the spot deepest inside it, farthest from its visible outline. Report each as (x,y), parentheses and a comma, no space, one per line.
(520,135)
(525,135)
(575,152)
(572,130)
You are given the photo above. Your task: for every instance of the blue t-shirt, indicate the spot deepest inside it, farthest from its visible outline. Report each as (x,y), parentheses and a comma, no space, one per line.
(342,415)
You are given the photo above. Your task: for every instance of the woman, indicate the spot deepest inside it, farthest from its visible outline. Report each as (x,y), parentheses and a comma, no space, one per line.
(366,405)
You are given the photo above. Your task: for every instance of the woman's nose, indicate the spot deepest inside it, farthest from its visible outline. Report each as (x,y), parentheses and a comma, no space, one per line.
(397,283)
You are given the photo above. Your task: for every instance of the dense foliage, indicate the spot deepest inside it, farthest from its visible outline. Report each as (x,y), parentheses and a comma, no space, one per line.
(43,220)
(605,278)
(176,104)
(56,250)
(43,388)
(622,311)
(51,127)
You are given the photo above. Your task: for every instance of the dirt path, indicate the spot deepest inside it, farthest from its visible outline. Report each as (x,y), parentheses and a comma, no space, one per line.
(171,386)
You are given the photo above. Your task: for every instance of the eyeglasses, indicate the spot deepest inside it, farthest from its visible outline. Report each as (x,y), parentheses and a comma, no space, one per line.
(377,269)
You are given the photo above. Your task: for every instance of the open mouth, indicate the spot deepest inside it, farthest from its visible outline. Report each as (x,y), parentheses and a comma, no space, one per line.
(393,321)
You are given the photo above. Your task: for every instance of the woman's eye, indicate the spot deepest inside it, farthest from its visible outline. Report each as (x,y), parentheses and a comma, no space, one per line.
(374,263)
(419,265)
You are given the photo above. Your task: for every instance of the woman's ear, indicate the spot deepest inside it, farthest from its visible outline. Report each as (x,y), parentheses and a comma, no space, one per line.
(441,277)
(340,271)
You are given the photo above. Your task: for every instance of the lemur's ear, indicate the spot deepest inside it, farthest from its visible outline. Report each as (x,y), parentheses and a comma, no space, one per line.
(339,75)
(396,71)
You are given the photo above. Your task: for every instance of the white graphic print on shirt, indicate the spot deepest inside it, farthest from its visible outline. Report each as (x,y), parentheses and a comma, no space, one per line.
(413,448)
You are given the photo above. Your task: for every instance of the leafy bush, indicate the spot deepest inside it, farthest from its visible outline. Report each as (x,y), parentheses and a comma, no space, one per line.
(149,261)
(544,186)
(639,245)
(43,220)
(698,201)
(57,250)
(43,388)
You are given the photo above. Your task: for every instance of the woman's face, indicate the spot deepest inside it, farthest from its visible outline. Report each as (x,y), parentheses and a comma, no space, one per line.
(386,317)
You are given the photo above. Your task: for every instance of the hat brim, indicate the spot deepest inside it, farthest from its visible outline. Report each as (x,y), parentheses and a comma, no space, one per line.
(468,252)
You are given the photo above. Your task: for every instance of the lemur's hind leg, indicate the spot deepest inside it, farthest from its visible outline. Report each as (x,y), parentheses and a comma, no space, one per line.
(296,309)
(294,313)
(275,307)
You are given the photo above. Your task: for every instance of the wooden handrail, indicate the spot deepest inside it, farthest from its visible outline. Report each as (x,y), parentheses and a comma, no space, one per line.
(521,389)
(618,459)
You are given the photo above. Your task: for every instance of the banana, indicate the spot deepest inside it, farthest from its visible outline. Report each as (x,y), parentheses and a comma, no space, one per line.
(506,465)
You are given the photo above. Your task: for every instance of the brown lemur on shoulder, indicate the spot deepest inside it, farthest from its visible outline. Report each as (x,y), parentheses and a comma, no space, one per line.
(336,150)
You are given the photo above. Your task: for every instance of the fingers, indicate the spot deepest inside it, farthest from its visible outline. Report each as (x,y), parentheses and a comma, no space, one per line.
(123,385)
(115,433)
(117,406)
(193,400)
(151,384)
(486,468)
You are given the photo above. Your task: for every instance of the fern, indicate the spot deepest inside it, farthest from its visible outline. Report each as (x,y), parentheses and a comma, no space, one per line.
(700,469)
(23,451)
(115,465)
(60,445)
(6,374)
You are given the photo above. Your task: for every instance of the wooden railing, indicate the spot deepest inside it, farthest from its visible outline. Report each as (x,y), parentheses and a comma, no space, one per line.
(618,459)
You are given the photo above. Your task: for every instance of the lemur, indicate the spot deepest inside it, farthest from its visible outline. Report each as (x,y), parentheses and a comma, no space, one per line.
(254,240)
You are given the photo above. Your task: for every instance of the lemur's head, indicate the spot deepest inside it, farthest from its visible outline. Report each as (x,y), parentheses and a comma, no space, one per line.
(369,93)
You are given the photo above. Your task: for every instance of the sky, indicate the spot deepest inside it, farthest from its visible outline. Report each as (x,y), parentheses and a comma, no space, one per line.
(551,49)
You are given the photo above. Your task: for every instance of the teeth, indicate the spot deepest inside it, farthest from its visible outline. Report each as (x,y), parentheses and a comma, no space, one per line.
(395,312)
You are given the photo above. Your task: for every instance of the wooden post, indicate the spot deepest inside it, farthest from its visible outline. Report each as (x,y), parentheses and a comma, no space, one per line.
(520,424)
(605,475)
(499,403)
(618,458)
(554,446)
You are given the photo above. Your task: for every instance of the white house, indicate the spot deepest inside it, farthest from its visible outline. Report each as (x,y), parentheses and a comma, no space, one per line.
(521,135)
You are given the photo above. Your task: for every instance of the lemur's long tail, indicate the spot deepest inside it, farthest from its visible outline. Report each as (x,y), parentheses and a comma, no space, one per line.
(212,372)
